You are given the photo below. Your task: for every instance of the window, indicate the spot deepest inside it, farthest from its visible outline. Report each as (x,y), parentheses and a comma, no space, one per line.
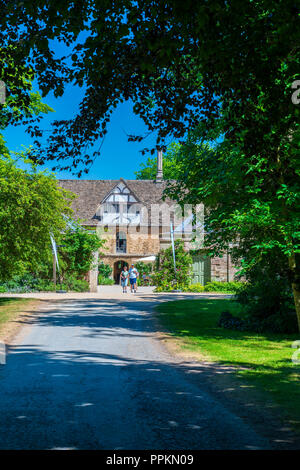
(120,194)
(121,242)
(119,206)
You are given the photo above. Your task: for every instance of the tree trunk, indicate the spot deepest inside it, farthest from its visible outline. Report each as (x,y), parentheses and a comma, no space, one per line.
(295,286)
(296,293)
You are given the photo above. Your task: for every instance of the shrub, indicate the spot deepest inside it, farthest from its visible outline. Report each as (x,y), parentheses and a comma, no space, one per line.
(20,284)
(229,287)
(266,297)
(77,285)
(46,285)
(168,287)
(69,284)
(229,321)
(29,283)
(104,270)
(279,323)
(105,281)
(273,324)
(77,251)
(195,288)
(164,276)
(267,290)
(225,287)
(144,268)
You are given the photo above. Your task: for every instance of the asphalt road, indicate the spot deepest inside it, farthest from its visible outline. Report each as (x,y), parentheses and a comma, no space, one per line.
(90,374)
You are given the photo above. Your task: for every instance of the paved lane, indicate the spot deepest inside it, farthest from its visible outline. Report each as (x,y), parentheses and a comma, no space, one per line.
(90,374)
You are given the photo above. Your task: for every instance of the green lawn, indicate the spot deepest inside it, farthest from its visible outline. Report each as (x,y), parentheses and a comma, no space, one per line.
(265,358)
(10,309)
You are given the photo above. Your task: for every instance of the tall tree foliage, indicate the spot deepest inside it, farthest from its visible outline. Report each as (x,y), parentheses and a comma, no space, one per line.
(179,62)
(31,203)
(164,277)
(31,206)
(252,204)
(78,247)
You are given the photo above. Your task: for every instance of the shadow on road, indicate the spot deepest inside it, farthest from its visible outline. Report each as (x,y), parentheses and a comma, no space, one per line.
(91,374)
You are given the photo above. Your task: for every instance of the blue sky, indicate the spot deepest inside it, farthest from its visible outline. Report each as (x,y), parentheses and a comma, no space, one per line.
(119,158)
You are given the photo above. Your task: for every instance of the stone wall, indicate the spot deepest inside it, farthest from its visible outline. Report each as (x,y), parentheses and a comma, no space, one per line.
(222,269)
(142,244)
(138,244)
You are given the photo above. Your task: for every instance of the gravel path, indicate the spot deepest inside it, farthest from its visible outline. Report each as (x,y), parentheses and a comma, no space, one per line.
(91,374)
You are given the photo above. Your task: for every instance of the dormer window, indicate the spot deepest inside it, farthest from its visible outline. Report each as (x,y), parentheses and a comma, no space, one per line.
(119,206)
(120,194)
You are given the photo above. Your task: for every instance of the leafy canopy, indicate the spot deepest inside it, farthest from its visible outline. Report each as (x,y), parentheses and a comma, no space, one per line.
(180,63)
(31,206)
(78,247)
(252,208)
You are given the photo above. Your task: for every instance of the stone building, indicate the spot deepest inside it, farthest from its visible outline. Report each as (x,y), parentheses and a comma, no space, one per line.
(135,221)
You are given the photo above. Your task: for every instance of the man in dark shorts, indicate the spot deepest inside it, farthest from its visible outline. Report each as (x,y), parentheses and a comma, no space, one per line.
(133,275)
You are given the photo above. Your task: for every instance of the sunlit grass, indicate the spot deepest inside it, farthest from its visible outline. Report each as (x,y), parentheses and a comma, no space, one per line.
(265,360)
(11,307)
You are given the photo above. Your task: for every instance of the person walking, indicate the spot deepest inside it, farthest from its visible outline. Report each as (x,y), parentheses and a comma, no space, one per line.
(133,275)
(124,279)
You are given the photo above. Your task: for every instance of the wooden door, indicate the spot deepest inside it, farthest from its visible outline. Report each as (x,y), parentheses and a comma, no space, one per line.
(201,269)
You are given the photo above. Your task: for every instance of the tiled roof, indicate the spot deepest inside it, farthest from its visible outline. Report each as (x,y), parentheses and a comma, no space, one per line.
(92,192)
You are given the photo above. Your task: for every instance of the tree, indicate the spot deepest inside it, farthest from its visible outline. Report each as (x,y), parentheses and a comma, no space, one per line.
(227,65)
(78,247)
(171,164)
(164,276)
(104,270)
(180,63)
(143,267)
(252,204)
(31,206)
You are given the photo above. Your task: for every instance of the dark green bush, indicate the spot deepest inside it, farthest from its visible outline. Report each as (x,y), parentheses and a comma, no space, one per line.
(225,287)
(29,283)
(267,297)
(197,287)
(20,284)
(147,269)
(276,323)
(164,277)
(230,287)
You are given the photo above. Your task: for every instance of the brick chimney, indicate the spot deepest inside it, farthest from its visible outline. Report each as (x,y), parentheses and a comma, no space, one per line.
(159,172)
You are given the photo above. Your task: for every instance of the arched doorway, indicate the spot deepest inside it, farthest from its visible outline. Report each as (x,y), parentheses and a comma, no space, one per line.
(118,268)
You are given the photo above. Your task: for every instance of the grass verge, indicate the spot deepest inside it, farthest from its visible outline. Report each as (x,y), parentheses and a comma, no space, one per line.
(264,360)
(11,310)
